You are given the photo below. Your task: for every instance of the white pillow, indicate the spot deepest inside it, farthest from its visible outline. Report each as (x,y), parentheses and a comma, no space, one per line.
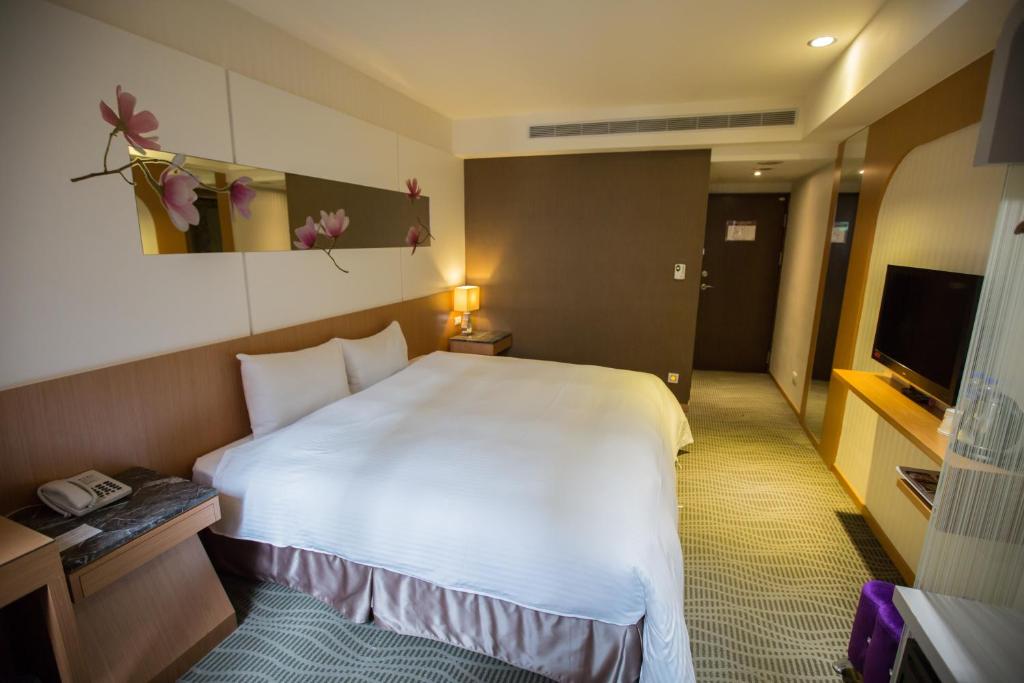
(372,359)
(282,387)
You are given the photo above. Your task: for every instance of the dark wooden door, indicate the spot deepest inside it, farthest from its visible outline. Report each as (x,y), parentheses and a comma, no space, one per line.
(737,300)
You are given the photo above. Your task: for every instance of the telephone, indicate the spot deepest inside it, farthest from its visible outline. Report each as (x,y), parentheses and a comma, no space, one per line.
(82,493)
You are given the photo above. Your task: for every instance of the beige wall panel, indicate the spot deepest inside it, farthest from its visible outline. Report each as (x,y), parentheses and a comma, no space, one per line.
(443,264)
(76,290)
(225,34)
(798,286)
(938,212)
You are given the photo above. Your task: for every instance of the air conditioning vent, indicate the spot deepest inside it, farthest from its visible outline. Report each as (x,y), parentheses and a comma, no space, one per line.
(600,128)
(716,121)
(623,126)
(703,122)
(778,118)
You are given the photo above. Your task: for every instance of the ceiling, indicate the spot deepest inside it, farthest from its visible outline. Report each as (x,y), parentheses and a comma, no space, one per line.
(485,58)
(773,171)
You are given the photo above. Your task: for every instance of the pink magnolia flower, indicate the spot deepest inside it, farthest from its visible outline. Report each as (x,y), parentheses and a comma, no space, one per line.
(415,237)
(241,196)
(413,190)
(178,194)
(131,124)
(334,223)
(306,234)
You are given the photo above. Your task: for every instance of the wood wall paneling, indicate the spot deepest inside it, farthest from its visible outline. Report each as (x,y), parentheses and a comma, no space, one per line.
(164,412)
(574,255)
(947,107)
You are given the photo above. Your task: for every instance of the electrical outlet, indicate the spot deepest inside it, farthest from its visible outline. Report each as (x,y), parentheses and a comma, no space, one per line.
(673,378)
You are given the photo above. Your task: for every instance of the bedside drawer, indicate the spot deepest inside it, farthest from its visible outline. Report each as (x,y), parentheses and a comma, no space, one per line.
(97,575)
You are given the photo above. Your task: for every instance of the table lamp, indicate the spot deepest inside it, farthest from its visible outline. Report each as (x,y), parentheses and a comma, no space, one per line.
(467,299)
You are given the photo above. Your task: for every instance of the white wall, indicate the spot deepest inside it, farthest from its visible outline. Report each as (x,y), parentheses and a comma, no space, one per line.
(222,33)
(76,291)
(798,285)
(939,211)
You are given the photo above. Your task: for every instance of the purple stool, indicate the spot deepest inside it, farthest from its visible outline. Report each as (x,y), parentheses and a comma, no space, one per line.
(873,596)
(885,640)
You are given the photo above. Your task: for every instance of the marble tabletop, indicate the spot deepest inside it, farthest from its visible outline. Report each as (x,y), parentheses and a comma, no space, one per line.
(155,499)
(482,336)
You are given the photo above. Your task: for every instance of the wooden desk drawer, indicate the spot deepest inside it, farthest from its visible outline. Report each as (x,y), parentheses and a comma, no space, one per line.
(104,571)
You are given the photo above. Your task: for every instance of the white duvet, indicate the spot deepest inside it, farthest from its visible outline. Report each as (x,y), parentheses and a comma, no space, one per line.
(545,484)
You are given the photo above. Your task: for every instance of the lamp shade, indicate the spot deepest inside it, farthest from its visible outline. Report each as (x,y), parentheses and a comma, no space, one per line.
(467,298)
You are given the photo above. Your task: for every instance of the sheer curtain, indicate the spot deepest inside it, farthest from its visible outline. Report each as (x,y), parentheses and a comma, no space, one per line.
(974,547)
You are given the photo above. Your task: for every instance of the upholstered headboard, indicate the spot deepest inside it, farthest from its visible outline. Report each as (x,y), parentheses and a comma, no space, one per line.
(165,411)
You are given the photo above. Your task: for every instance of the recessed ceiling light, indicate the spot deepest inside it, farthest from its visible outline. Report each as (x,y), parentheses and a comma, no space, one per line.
(757,172)
(821,41)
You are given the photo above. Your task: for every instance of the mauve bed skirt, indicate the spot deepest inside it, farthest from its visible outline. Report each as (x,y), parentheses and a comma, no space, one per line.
(565,649)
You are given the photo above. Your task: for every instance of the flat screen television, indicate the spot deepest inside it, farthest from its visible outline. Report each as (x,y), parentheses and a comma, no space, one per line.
(924,327)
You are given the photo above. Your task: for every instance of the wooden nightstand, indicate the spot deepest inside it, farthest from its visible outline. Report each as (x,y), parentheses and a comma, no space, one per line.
(481,343)
(29,566)
(146,599)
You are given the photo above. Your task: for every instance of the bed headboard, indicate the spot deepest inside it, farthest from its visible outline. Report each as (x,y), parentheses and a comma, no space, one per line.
(164,412)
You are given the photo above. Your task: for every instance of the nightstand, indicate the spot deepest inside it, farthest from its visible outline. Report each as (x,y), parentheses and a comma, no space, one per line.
(481,343)
(147,601)
(35,599)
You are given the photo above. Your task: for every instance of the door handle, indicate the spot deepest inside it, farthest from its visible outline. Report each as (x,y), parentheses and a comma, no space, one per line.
(704,286)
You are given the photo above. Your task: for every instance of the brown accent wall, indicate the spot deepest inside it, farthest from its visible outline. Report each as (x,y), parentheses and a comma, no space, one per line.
(164,412)
(574,255)
(948,106)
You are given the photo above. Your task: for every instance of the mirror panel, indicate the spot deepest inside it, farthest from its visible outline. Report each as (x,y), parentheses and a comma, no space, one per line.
(243,208)
(840,236)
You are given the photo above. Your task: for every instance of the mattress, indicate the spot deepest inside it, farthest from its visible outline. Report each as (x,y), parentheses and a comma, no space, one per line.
(545,485)
(206,466)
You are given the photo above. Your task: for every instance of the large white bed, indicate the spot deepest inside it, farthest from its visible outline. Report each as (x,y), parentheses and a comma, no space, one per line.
(544,485)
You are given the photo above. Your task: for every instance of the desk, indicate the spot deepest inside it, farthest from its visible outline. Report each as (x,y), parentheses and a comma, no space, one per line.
(146,599)
(910,419)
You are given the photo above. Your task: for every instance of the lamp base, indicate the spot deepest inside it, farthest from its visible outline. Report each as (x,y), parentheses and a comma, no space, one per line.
(467,323)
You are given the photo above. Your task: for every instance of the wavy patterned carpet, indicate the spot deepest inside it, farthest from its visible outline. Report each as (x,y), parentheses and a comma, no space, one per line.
(774,550)
(285,635)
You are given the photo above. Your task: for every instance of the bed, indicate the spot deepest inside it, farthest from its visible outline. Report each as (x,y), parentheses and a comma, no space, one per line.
(523,509)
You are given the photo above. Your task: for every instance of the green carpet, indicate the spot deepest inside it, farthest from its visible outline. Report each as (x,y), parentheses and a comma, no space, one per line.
(774,552)
(284,635)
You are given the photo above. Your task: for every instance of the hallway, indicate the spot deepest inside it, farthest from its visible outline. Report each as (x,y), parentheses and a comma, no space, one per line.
(774,550)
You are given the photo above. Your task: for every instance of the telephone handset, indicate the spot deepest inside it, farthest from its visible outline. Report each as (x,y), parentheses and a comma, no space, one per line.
(82,493)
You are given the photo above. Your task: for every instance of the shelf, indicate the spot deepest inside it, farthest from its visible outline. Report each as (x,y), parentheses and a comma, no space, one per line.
(914,498)
(909,419)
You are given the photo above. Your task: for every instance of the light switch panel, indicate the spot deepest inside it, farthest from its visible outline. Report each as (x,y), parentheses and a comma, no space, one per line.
(679,273)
